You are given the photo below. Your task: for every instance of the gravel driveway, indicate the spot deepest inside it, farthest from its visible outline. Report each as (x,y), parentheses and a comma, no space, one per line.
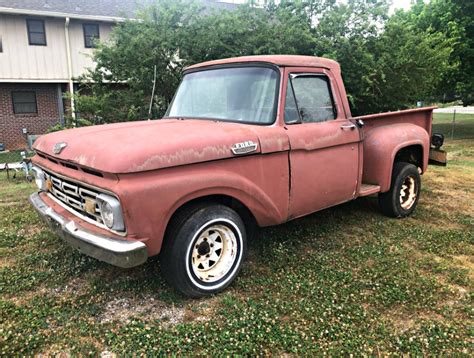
(459,109)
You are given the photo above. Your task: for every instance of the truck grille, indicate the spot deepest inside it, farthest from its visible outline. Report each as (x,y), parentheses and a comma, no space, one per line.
(74,195)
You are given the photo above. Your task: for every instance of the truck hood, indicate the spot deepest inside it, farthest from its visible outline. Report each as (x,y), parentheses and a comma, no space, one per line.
(147,145)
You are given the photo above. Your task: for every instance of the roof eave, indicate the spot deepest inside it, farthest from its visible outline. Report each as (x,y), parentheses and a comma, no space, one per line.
(28,12)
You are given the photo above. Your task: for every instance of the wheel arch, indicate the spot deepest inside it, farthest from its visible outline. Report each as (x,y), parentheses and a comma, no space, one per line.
(387,145)
(240,208)
(412,154)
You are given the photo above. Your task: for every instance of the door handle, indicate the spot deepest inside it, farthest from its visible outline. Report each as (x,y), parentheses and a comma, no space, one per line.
(348,126)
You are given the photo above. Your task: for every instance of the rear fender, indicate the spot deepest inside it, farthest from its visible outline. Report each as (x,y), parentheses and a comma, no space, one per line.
(382,144)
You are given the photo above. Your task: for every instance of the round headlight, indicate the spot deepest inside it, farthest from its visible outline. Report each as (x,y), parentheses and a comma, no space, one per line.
(110,212)
(107,214)
(40,178)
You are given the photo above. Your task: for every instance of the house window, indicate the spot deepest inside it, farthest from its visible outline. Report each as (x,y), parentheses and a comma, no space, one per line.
(36,32)
(24,102)
(91,35)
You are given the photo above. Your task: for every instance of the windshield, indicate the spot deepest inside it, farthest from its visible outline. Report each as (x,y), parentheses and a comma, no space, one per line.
(239,94)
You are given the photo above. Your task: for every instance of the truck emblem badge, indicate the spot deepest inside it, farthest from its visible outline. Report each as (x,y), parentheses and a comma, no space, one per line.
(58,147)
(244,147)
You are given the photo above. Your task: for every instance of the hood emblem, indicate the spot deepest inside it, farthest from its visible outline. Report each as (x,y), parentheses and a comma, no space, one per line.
(244,147)
(58,147)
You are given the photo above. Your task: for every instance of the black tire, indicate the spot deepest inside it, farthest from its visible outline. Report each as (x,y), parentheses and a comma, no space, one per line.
(187,229)
(393,203)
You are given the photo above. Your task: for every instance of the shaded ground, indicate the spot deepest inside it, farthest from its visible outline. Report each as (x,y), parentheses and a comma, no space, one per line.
(345,280)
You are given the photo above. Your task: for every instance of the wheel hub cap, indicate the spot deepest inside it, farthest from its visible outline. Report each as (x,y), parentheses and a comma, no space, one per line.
(203,248)
(408,193)
(214,253)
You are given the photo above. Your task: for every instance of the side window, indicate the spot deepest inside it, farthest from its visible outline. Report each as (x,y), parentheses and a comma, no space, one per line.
(36,32)
(313,97)
(91,35)
(291,111)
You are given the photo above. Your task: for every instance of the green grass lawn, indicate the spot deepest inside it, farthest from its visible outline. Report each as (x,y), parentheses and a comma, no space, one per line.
(344,280)
(463,125)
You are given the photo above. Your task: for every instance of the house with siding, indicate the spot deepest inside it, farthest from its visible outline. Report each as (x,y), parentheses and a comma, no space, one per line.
(44,46)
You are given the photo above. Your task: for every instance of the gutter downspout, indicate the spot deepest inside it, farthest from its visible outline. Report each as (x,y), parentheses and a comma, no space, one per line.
(60,104)
(69,70)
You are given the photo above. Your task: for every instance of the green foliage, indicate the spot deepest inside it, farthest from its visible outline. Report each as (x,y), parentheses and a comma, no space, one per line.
(453,19)
(407,67)
(388,63)
(120,86)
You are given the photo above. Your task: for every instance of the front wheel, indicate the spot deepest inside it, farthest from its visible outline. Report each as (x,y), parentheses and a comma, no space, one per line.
(203,250)
(401,199)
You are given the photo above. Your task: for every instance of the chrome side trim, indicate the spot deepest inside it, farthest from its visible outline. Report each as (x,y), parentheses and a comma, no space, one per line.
(122,253)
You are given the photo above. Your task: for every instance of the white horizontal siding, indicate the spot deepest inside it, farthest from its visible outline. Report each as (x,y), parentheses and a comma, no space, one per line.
(20,62)
(81,56)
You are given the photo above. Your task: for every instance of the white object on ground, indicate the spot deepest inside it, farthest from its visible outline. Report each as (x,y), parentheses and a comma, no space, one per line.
(12,166)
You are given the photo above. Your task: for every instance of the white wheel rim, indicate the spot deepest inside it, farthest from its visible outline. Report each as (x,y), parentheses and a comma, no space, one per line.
(214,252)
(408,193)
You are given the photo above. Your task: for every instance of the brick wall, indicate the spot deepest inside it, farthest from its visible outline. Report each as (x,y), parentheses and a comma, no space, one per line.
(11,124)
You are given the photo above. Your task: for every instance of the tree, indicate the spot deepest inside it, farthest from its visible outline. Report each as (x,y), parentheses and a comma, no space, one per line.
(388,63)
(120,86)
(454,20)
(348,33)
(406,66)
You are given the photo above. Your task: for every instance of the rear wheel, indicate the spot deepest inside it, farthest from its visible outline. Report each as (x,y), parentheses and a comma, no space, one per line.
(203,250)
(401,199)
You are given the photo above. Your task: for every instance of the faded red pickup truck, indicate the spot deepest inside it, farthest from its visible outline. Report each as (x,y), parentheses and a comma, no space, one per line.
(246,141)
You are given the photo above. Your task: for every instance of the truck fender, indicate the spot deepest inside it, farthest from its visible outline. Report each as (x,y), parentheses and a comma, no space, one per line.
(261,206)
(382,144)
(169,190)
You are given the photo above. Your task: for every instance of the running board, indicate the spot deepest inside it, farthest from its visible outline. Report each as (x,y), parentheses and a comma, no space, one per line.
(368,189)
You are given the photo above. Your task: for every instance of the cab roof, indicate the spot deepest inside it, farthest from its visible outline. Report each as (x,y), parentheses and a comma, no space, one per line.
(279,60)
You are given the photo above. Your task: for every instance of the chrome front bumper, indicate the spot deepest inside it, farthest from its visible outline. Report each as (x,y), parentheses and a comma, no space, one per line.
(116,252)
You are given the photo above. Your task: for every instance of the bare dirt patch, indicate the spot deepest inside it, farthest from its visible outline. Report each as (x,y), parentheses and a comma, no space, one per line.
(466,262)
(6,262)
(76,286)
(124,309)
(203,311)
(25,297)
(403,321)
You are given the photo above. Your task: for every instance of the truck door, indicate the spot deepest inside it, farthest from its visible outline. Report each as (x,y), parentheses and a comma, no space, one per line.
(324,155)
